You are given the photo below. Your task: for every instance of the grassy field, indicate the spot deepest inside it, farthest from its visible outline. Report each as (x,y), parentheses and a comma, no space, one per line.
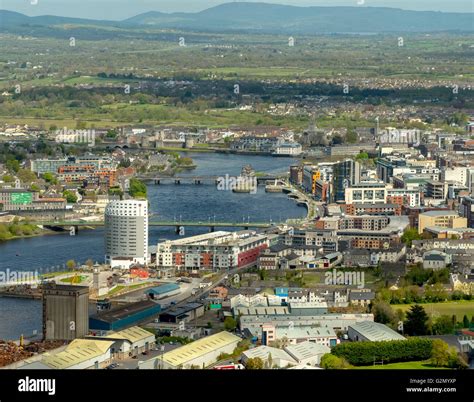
(418,365)
(74,279)
(460,308)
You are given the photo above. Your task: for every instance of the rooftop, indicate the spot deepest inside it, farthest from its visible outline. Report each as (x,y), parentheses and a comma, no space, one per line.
(375,331)
(435,214)
(78,351)
(199,348)
(132,334)
(306,350)
(122,312)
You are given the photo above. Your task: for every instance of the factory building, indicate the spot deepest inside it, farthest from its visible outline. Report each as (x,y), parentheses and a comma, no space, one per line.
(372,331)
(124,316)
(130,342)
(80,354)
(254,321)
(185,313)
(306,354)
(166,290)
(197,354)
(65,312)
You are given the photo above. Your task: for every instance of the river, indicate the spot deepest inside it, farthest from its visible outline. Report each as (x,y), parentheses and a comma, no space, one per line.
(188,202)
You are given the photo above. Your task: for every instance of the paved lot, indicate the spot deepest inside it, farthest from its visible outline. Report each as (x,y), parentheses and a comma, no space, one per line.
(131,364)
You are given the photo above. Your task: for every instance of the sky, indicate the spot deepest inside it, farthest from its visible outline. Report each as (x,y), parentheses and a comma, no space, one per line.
(122,9)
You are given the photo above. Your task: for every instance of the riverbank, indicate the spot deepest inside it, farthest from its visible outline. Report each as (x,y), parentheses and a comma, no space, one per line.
(40,233)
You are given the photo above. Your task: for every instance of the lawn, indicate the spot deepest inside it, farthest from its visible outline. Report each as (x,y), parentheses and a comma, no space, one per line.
(129,288)
(74,279)
(417,365)
(460,308)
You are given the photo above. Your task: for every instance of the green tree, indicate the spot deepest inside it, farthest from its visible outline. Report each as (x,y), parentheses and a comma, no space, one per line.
(443,325)
(440,354)
(362,156)
(409,235)
(70,196)
(13,165)
(8,178)
(417,321)
(351,137)
(383,312)
(255,363)
(138,189)
(331,362)
(71,264)
(230,324)
(26,176)
(465,321)
(49,178)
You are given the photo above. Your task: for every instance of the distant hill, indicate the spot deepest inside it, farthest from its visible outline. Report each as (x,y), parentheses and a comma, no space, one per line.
(272,18)
(14,19)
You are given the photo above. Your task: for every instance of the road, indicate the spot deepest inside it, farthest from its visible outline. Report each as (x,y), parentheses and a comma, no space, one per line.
(186,297)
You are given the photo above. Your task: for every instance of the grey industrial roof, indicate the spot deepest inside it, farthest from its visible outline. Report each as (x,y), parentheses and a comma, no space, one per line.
(375,331)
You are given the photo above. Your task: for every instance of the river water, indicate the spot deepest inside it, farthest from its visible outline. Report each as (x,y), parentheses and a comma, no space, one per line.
(188,202)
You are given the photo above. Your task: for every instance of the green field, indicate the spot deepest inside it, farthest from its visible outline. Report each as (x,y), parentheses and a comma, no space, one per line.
(74,279)
(460,308)
(418,365)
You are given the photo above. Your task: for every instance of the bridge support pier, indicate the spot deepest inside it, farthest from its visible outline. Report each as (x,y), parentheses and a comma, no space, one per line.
(212,229)
(177,182)
(197,181)
(157,182)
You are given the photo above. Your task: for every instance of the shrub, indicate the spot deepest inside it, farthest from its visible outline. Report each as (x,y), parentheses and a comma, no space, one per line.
(364,353)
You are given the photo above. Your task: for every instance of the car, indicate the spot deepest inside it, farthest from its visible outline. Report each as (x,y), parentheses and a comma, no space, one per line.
(111,366)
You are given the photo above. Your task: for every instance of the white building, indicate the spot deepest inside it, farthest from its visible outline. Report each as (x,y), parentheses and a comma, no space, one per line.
(126,233)
(457,174)
(373,332)
(366,193)
(306,354)
(288,149)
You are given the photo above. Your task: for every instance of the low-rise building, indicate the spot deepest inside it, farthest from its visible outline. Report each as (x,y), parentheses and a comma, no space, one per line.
(197,354)
(373,332)
(81,354)
(435,259)
(444,219)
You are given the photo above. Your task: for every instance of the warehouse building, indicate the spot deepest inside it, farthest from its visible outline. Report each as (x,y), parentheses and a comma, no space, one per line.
(123,317)
(81,354)
(297,334)
(166,290)
(130,342)
(305,354)
(198,354)
(271,357)
(372,331)
(185,313)
(339,322)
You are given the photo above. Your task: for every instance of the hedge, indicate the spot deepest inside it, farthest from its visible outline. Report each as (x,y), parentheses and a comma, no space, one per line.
(364,353)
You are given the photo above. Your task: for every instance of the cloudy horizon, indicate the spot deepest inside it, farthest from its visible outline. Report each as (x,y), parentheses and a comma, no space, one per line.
(122,9)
